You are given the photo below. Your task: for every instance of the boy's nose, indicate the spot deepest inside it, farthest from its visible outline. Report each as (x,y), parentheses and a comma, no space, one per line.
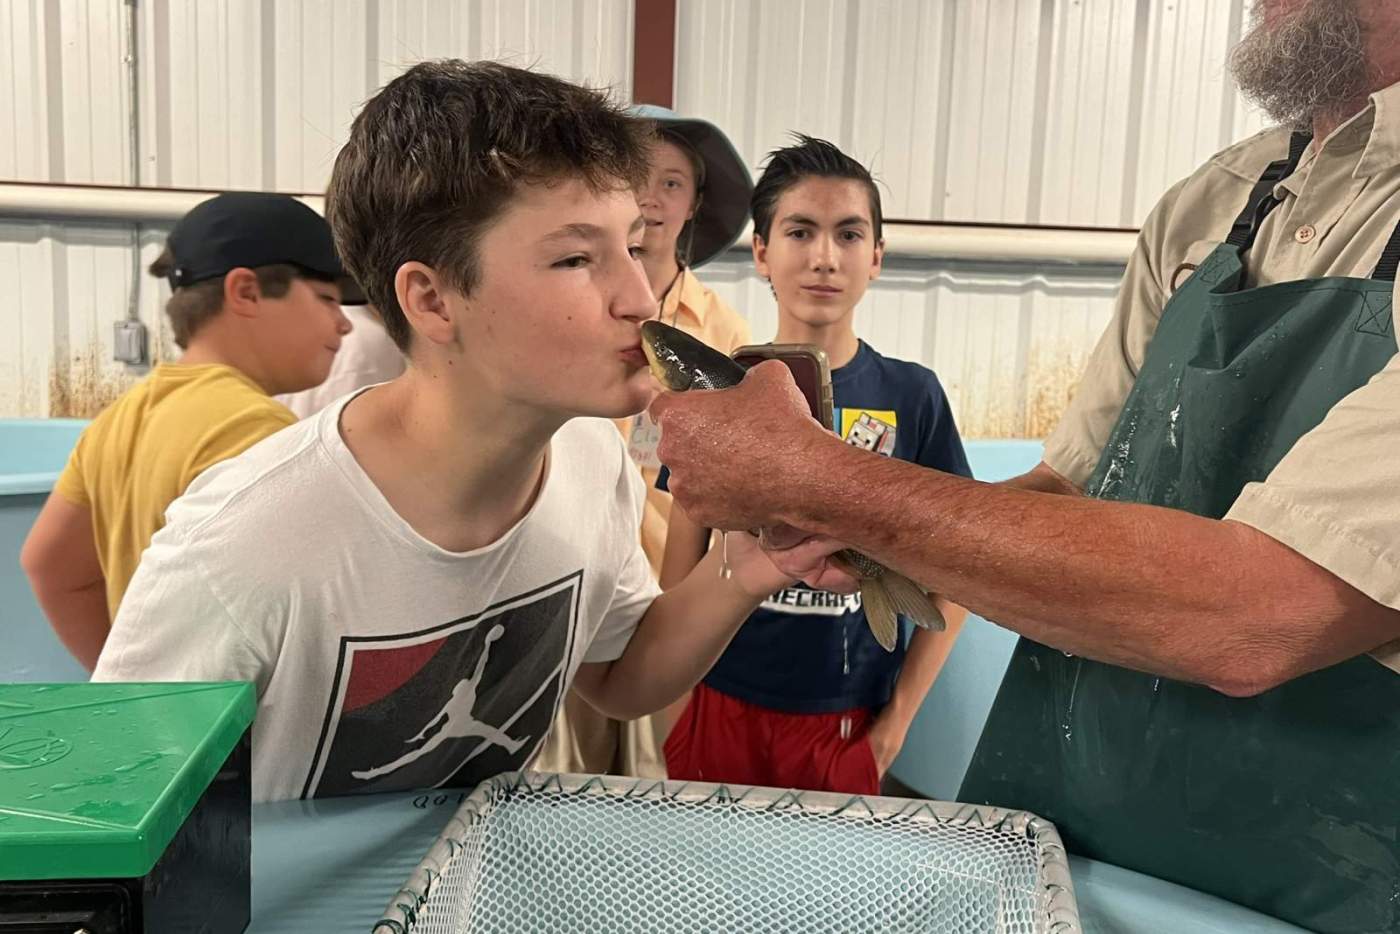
(634,300)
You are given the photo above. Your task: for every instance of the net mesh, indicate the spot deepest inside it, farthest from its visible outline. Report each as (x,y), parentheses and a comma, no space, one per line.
(544,853)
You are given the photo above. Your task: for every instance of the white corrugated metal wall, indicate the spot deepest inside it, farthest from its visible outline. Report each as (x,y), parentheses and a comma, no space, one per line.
(231,94)
(1057,112)
(1076,112)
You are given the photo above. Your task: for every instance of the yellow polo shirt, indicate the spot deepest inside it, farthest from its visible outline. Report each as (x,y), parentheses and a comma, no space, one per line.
(143,450)
(1335,497)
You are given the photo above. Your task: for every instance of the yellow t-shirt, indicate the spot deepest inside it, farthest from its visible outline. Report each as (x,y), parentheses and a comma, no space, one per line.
(143,450)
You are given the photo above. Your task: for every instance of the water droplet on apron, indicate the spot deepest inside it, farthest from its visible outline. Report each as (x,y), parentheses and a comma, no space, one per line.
(1065,723)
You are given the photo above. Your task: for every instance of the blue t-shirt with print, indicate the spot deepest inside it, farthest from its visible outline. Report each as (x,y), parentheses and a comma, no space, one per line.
(808,651)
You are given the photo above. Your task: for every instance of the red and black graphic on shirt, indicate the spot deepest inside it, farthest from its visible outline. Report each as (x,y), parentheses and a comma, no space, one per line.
(450,705)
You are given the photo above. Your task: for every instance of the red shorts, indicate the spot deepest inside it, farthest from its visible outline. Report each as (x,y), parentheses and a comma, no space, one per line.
(720,738)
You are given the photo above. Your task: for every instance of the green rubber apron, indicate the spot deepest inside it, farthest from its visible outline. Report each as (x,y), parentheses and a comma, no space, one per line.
(1289,802)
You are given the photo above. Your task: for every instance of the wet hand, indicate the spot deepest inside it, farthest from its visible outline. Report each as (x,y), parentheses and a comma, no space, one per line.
(736,455)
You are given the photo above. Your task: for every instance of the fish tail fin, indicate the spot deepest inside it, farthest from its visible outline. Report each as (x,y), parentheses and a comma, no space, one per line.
(913,601)
(879,614)
(888,596)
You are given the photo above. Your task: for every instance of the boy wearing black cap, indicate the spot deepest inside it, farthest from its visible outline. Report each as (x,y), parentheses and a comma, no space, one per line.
(414,577)
(256,310)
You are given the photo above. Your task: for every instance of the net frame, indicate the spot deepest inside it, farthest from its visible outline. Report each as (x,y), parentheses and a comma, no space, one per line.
(455,858)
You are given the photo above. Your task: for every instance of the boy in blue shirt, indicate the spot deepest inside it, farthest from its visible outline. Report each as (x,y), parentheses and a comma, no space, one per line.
(794,702)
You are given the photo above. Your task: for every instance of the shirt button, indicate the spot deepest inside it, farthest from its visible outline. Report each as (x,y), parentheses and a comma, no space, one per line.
(1305,233)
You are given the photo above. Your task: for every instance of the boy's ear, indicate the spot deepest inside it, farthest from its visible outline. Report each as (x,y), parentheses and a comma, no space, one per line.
(760,255)
(423,296)
(242,294)
(879,262)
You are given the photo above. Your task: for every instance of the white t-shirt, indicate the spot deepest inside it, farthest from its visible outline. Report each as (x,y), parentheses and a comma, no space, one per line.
(367,355)
(383,662)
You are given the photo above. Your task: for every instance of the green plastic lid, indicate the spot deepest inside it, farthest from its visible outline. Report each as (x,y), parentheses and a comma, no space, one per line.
(95,779)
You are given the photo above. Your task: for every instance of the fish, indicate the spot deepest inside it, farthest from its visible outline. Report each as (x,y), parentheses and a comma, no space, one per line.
(680,363)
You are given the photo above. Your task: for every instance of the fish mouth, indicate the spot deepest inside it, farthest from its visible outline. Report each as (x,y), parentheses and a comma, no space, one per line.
(660,359)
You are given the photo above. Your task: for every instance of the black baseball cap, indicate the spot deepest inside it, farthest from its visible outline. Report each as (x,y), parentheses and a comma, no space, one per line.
(251,229)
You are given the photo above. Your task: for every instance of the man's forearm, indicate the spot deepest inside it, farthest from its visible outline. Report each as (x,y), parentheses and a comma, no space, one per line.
(1155,589)
(679,639)
(1042,479)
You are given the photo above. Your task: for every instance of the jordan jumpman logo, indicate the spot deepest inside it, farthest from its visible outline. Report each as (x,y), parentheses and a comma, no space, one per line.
(457,713)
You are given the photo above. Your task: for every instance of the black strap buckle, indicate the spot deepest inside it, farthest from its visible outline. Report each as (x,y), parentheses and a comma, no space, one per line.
(1261,197)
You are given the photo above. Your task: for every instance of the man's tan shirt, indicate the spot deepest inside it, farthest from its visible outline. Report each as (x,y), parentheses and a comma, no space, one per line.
(1335,497)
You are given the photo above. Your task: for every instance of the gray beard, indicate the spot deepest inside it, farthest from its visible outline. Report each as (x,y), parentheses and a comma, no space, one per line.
(1310,62)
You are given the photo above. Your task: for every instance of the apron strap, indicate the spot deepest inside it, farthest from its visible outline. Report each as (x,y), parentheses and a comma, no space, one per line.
(1261,198)
(1390,257)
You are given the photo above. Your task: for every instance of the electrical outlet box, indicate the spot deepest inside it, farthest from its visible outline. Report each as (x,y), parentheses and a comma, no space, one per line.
(129,343)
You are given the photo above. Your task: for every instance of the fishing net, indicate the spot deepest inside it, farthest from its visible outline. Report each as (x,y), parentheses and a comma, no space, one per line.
(535,852)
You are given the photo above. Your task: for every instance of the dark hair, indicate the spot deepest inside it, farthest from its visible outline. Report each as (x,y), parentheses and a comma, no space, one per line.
(435,156)
(809,158)
(191,306)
